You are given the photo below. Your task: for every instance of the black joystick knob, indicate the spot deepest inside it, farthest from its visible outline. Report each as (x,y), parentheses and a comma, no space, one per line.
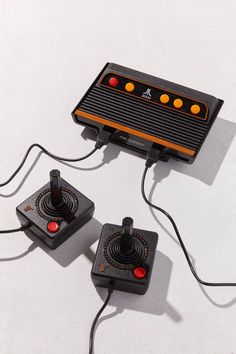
(126,241)
(56,189)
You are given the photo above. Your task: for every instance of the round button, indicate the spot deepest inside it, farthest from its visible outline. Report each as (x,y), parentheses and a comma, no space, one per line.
(53,227)
(113,81)
(195,108)
(164,98)
(129,87)
(178,103)
(140,272)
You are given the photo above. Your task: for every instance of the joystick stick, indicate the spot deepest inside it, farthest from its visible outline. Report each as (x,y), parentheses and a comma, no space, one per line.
(56,190)
(126,242)
(56,211)
(124,257)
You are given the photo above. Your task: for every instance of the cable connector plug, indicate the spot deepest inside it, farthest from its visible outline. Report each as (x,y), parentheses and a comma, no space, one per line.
(153,156)
(103,138)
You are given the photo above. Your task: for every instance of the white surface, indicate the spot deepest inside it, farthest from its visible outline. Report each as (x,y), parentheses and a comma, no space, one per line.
(50,51)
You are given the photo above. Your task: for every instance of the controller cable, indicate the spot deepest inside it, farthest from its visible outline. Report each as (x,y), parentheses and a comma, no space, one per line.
(22,228)
(102,139)
(153,157)
(93,327)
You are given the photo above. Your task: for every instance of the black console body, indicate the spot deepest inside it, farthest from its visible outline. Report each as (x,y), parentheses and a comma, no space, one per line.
(143,110)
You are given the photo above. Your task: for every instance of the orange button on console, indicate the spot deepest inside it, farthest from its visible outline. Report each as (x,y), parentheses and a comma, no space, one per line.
(178,103)
(195,108)
(164,98)
(129,87)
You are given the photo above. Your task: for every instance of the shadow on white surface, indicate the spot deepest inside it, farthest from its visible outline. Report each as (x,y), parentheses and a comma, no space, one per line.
(77,244)
(203,289)
(205,167)
(34,163)
(210,158)
(19,256)
(213,302)
(22,182)
(154,301)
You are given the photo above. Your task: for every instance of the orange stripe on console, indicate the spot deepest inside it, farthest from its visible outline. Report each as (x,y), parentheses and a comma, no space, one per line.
(135,132)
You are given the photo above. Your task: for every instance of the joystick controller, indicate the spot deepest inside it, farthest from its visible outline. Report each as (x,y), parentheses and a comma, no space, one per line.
(55,211)
(125,257)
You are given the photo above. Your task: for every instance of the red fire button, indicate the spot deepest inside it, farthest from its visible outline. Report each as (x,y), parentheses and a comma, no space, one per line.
(53,227)
(140,272)
(113,81)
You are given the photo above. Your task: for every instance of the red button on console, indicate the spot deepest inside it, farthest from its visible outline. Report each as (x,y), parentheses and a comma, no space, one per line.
(113,81)
(140,272)
(53,227)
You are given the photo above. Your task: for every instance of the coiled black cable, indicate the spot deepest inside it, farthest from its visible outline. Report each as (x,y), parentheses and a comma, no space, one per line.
(22,228)
(53,156)
(203,282)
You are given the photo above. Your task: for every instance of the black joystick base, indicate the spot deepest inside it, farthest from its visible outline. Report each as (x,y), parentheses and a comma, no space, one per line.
(124,257)
(56,211)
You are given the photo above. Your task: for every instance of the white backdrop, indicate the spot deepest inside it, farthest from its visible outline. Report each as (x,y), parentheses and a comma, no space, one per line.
(50,52)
